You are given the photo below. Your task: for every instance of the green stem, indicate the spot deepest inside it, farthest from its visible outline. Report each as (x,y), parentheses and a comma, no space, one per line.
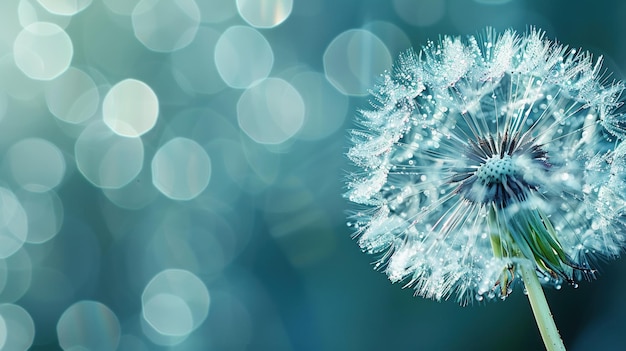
(541,310)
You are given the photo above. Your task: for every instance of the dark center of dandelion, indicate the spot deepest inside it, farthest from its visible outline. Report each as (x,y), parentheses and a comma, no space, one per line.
(495,170)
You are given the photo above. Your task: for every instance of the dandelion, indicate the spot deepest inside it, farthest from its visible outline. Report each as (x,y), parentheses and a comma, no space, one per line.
(488,162)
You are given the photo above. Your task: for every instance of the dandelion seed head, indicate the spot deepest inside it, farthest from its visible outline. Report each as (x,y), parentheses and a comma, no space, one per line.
(485,153)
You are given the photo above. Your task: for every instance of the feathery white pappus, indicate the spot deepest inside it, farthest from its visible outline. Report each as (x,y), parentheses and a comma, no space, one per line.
(484,154)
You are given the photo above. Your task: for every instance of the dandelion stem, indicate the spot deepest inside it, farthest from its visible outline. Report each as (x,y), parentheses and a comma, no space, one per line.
(541,310)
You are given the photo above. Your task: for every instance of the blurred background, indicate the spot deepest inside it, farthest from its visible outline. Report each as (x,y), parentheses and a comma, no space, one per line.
(171,177)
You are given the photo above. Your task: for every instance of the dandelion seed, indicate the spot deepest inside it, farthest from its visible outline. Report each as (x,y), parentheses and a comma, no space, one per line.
(483,157)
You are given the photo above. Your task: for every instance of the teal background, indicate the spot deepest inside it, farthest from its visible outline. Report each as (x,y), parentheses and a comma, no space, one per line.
(268,236)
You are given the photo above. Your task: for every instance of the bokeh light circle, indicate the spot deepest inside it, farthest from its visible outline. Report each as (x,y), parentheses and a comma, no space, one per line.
(106,159)
(165,25)
(19,328)
(326,108)
(30,11)
(168,314)
(90,325)
(181,169)
(264,14)
(13,223)
(158,338)
(396,39)
(243,56)
(73,96)
(354,60)
(65,7)
(164,300)
(36,164)
(271,112)
(45,215)
(130,108)
(43,51)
